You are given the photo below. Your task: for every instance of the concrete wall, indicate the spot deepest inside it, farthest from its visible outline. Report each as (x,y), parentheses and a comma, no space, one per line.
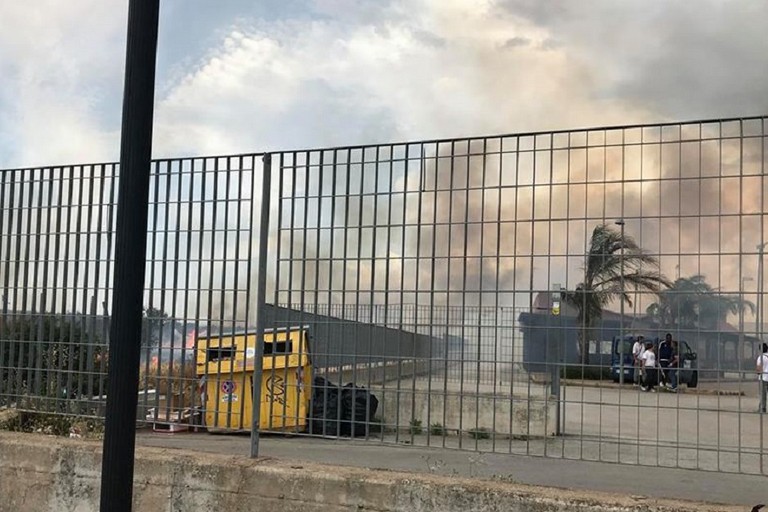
(41,474)
(501,414)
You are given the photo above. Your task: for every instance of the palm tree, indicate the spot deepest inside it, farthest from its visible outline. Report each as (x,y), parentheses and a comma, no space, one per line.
(607,278)
(692,303)
(678,305)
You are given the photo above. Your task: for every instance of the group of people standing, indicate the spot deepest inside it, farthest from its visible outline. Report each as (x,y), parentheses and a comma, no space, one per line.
(656,369)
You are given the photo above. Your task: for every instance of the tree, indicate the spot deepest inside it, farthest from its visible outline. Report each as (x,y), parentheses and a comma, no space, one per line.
(691,303)
(609,253)
(152,326)
(51,357)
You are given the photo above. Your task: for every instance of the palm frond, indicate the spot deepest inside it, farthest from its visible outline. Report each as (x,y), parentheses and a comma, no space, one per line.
(614,265)
(691,301)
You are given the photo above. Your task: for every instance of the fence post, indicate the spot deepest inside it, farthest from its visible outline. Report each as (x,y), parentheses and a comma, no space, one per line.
(261,293)
(130,256)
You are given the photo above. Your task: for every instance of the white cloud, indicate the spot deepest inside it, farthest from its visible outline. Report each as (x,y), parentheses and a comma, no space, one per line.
(61,80)
(442,71)
(339,72)
(372,71)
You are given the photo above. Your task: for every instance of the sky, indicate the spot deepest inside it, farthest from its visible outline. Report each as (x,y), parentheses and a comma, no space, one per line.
(240,76)
(237,76)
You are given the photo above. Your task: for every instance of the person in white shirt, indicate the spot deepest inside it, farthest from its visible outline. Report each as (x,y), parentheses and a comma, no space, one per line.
(648,359)
(637,350)
(762,371)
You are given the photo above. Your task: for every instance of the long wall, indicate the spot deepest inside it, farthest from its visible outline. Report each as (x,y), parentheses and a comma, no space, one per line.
(338,342)
(40,474)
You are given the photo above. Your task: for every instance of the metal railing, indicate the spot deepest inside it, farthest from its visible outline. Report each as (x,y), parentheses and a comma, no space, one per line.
(56,255)
(507,256)
(470,286)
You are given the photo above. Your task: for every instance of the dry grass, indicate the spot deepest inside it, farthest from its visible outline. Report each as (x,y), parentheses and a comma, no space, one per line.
(170,381)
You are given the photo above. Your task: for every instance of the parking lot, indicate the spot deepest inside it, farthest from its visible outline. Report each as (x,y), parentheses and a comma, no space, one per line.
(707,431)
(715,427)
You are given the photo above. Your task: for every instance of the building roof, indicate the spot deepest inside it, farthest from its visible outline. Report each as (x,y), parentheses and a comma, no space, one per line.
(543,302)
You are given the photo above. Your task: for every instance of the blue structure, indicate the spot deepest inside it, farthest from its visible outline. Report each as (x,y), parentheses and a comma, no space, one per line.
(553,339)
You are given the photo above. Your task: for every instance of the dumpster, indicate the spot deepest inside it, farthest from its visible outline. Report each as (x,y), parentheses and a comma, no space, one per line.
(225,367)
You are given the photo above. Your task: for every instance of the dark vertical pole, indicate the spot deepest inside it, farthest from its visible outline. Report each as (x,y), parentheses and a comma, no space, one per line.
(130,256)
(261,301)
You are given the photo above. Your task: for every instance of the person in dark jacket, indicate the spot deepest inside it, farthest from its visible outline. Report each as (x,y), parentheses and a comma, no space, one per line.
(674,367)
(665,357)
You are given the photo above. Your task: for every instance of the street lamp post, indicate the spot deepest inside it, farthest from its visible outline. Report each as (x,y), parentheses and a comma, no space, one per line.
(741,318)
(620,222)
(556,342)
(759,320)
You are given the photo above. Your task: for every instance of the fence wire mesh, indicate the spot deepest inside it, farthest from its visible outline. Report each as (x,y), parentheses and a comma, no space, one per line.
(56,256)
(473,287)
(460,293)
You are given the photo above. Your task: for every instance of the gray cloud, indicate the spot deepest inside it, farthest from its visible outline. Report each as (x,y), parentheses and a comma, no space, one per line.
(348,72)
(516,42)
(682,60)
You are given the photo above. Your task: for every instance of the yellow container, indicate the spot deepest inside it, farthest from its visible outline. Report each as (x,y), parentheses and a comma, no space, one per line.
(225,363)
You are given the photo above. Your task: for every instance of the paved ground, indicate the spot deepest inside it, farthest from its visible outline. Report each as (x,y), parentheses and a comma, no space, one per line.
(701,431)
(700,446)
(625,479)
(714,427)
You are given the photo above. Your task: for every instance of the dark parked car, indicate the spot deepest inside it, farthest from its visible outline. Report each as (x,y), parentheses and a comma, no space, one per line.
(689,374)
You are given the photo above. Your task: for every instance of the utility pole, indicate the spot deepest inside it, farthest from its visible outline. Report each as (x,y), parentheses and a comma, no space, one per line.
(556,324)
(760,319)
(741,318)
(130,256)
(620,222)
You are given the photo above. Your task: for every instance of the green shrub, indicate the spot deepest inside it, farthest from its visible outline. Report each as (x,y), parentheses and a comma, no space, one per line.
(437,429)
(54,424)
(480,433)
(579,372)
(416,428)
(51,357)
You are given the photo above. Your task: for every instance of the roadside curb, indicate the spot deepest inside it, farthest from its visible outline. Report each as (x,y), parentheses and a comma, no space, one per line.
(43,473)
(614,385)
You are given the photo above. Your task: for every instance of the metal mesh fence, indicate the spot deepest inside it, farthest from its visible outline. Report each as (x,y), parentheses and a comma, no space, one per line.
(508,269)
(462,293)
(56,226)
(56,255)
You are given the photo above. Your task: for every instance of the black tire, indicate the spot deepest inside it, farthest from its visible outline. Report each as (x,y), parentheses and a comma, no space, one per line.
(694,379)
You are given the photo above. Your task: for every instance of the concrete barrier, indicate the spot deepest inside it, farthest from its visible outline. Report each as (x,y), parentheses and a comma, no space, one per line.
(40,473)
(517,416)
